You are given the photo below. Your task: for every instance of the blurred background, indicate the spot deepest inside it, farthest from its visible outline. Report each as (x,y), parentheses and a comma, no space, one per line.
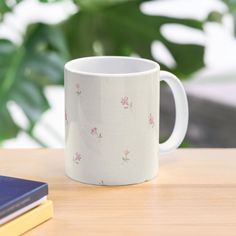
(193,39)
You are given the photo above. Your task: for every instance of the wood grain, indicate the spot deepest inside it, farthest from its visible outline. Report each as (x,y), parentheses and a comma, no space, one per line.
(194,194)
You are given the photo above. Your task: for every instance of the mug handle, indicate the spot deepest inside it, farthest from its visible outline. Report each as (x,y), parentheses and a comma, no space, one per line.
(181,110)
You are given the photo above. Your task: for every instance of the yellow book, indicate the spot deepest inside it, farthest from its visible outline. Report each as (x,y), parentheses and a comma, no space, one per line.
(28,220)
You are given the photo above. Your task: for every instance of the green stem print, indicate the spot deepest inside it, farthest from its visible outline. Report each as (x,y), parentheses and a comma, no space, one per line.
(125,155)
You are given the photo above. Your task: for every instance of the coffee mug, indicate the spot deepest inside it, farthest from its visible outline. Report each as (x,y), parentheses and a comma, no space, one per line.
(112,119)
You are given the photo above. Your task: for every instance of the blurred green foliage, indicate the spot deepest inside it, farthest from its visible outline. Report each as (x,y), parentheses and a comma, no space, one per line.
(232,10)
(102,27)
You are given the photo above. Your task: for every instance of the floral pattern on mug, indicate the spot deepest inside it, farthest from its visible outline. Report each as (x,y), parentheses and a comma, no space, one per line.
(78,91)
(77,157)
(126,103)
(125,155)
(94,132)
(151,120)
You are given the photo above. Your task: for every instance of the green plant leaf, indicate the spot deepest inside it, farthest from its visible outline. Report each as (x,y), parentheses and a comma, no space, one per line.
(91,5)
(7,6)
(101,27)
(4,7)
(49,1)
(8,128)
(232,10)
(26,70)
(122,29)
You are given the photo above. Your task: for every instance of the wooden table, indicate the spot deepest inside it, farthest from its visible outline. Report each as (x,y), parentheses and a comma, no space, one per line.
(194,194)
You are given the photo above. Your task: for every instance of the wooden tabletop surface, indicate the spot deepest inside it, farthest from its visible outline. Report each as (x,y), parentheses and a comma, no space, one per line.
(194,194)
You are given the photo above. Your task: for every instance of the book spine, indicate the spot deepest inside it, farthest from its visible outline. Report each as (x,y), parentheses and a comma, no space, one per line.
(27,221)
(25,200)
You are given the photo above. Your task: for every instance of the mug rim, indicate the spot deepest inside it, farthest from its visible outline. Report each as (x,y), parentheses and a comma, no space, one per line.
(155,67)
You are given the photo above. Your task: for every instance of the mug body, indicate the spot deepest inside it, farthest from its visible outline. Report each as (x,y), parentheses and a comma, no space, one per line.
(112,120)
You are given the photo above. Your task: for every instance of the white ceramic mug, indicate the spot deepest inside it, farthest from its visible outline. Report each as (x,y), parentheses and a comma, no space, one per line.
(112,119)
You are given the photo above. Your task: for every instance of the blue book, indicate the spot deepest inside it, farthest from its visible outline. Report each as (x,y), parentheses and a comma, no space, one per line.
(16,194)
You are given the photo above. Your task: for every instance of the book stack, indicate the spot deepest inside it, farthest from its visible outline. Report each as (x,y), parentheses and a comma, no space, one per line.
(23,205)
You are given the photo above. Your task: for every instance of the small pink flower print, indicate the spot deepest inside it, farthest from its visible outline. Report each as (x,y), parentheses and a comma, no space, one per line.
(125,102)
(77,158)
(125,155)
(94,132)
(78,91)
(151,120)
(126,152)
